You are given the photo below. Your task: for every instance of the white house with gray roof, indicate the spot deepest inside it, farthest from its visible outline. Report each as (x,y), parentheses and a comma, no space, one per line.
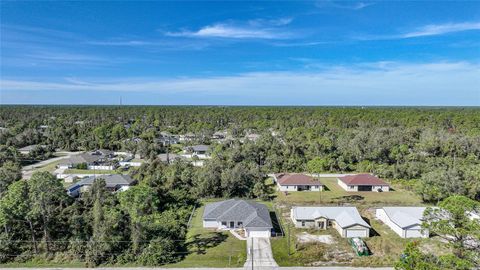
(404,221)
(113,182)
(346,220)
(253,217)
(200,151)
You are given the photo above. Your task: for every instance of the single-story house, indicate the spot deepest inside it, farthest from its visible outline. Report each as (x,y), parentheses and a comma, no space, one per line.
(362,182)
(404,221)
(114,182)
(219,135)
(200,151)
(253,217)
(27,149)
(169,158)
(95,160)
(297,182)
(187,137)
(346,220)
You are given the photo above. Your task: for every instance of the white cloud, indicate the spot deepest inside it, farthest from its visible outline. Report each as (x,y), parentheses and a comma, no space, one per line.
(255,29)
(343,4)
(427,30)
(379,83)
(440,29)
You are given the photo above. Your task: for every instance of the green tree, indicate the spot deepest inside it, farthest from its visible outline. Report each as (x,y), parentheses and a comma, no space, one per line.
(48,199)
(453,221)
(9,173)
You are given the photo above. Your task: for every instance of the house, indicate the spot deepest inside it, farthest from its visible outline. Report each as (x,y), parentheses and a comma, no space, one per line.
(113,182)
(252,217)
(27,149)
(362,182)
(169,157)
(219,135)
(167,139)
(95,160)
(297,182)
(346,220)
(187,137)
(200,151)
(404,221)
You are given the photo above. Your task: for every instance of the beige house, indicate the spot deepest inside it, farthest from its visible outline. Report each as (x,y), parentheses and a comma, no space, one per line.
(346,220)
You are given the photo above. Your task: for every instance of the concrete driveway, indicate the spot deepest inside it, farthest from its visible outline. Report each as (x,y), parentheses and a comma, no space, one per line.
(262,254)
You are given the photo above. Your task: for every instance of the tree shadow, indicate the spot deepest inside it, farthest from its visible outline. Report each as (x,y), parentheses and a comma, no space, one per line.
(200,244)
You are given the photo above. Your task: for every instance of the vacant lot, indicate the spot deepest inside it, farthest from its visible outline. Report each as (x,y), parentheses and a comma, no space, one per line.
(336,195)
(208,248)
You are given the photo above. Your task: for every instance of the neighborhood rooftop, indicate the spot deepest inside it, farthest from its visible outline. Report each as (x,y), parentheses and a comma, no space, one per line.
(297,179)
(405,216)
(343,215)
(253,215)
(111,180)
(363,180)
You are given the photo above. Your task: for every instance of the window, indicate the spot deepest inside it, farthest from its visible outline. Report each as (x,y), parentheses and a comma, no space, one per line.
(224,223)
(329,223)
(303,223)
(239,224)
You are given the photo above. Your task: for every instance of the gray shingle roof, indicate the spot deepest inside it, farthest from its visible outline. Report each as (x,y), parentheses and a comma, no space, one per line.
(405,217)
(344,216)
(252,214)
(200,148)
(111,180)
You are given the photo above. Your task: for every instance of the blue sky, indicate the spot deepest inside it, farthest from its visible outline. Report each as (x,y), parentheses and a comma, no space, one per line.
(241,53)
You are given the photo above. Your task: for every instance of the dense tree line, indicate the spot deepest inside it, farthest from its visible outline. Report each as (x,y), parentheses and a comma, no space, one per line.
(435,151)
(145,224)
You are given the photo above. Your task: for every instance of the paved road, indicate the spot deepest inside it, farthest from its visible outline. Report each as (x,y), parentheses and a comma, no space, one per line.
(262,254)
(27,171)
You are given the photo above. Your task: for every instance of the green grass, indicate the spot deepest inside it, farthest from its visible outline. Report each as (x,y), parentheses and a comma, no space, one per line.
(335,195)
(208,248)
(50,167)
(81,171)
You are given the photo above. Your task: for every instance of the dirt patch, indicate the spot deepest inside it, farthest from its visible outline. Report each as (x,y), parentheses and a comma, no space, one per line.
(305,237)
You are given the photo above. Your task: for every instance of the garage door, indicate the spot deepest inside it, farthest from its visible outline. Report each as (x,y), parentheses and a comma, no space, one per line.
(262,233)
(413,233)
(356,233)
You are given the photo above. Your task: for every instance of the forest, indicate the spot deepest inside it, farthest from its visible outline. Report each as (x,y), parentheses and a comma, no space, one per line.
(433,151)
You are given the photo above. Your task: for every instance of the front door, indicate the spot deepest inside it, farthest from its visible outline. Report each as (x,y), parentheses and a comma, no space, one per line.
(321,224)
(232,224)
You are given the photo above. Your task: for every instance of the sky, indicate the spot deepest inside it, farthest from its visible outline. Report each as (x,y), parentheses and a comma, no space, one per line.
(343,53)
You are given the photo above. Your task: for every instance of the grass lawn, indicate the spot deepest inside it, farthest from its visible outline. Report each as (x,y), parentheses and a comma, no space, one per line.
(208,248)
(336,195)
(50,167)
(80,171)
(385,245)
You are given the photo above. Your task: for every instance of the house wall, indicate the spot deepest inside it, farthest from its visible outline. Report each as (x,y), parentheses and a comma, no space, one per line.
(346,187)
(383,188)
(258,232)
(101,167)
(287,188)
(356,231)
(382,215)
(210,223)
(129,163)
